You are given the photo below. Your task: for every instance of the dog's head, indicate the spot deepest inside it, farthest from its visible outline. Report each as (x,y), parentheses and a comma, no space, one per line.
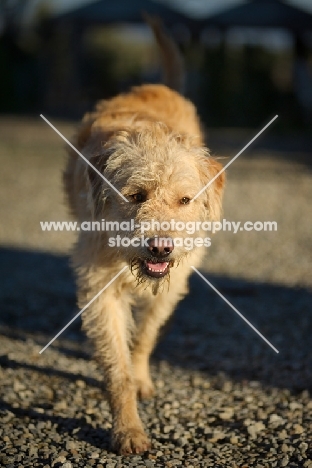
(159,173)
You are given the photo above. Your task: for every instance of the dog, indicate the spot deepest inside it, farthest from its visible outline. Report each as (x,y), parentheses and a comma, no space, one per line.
(149,146)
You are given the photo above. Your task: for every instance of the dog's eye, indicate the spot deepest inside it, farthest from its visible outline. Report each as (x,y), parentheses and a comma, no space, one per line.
(138,197)
(185,200)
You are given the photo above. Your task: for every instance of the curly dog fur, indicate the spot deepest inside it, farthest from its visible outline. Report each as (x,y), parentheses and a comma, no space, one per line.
(148,143)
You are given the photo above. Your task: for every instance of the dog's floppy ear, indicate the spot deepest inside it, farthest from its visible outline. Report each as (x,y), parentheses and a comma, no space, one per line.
(96,197)
(98,189)
(214,193)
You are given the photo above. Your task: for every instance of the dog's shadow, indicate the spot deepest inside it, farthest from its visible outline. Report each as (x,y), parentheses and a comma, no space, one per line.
(37,295)
(207,335)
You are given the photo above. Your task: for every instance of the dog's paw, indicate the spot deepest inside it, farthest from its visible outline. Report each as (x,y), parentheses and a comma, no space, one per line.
(130,441)
(145,388)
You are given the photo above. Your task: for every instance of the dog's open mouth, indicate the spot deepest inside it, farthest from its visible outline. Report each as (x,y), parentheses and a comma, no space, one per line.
(156,269)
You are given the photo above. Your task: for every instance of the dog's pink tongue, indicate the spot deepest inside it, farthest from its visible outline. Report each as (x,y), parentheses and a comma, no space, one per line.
(157,266)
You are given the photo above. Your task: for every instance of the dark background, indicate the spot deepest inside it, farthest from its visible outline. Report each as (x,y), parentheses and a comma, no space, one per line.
(244,64)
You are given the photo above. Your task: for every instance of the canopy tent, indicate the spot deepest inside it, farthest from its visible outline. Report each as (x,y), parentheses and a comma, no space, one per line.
(113,11)
(262,13)
(252,13)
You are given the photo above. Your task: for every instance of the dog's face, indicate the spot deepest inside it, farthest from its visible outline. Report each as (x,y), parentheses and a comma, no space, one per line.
(159,174)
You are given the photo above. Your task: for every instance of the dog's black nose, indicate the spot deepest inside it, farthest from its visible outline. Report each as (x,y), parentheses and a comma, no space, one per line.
(160,246)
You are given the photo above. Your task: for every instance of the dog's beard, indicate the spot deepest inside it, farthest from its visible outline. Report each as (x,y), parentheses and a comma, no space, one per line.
(139,268)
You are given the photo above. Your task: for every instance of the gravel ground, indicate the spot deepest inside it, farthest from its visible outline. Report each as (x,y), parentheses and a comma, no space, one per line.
(224,397)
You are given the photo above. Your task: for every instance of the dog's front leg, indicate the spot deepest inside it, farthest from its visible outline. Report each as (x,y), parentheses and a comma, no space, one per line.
(106,322)
(151,319)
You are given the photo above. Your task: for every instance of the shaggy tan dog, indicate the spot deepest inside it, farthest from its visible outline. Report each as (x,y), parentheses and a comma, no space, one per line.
(149,145)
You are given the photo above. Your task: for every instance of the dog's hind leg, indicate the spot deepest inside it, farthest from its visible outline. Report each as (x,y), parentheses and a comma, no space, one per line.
(106,322)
